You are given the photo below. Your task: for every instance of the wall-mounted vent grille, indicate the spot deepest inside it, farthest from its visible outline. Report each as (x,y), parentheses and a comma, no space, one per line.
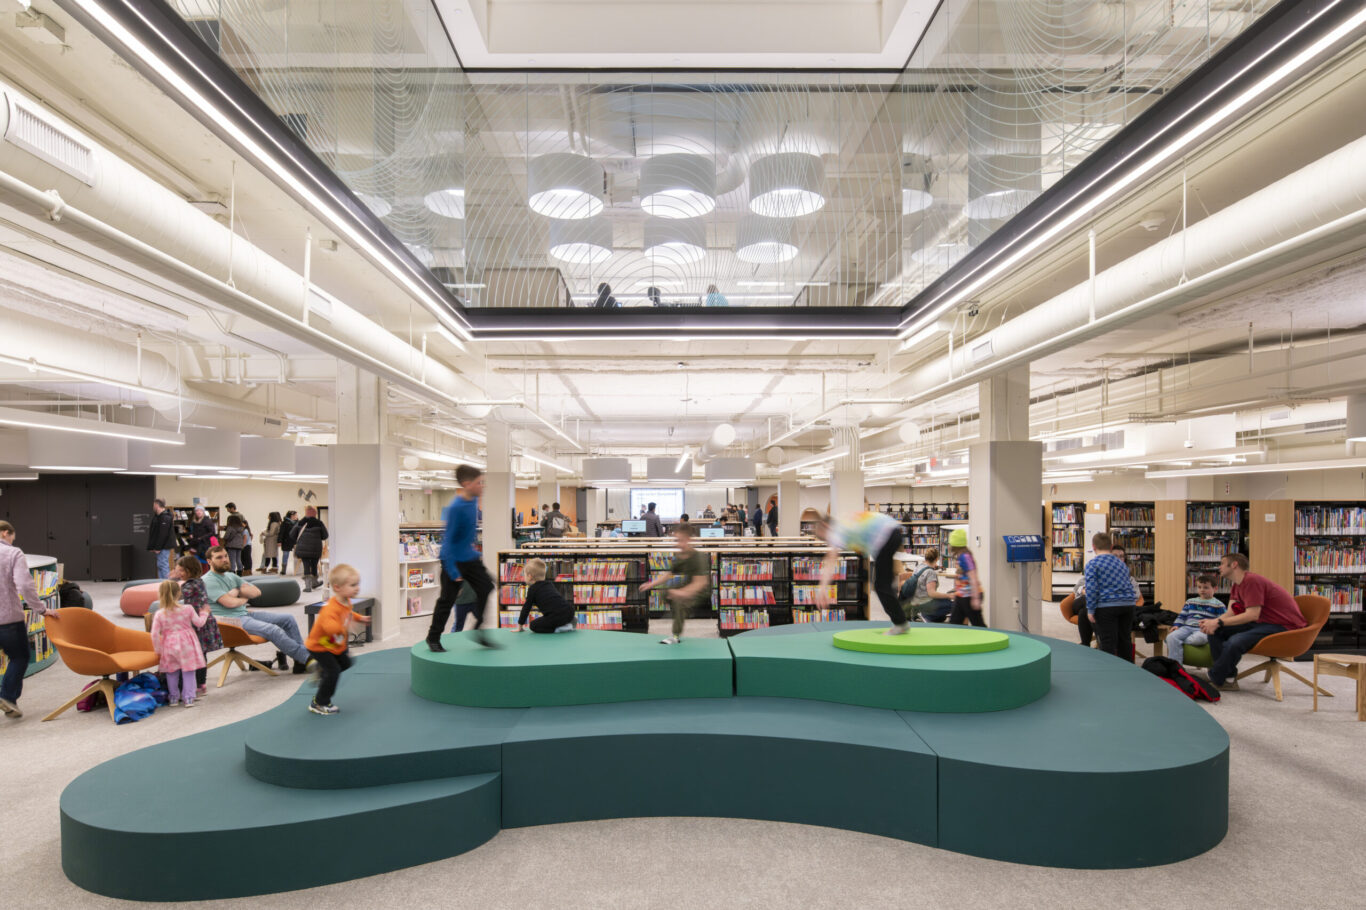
(35,132)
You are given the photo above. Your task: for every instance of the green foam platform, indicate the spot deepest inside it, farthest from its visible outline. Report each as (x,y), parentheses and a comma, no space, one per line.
(231,835)
(776,759)
(1065,780)
(805,665)
(574,668)
(923,639)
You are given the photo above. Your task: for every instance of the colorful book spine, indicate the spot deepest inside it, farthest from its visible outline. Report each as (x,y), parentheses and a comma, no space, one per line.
(731,618)
(806,594)
(512,594)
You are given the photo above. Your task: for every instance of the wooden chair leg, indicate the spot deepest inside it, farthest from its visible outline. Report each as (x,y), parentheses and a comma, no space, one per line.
(1274,671)
(1314,686)
(105,685)
(1264,665)
(257,664)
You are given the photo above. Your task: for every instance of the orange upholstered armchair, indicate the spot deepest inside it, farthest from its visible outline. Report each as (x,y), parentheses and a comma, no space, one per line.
(1286,646)
(93,646)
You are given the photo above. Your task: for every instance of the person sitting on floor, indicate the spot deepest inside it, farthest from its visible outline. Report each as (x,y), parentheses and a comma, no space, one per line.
(557,614)
(920,595)
(1186,626)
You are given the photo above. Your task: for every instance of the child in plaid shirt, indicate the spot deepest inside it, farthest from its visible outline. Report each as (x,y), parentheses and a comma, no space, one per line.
(1110,598)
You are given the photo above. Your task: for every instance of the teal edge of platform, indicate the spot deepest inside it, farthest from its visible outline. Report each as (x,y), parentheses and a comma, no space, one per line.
(395,780)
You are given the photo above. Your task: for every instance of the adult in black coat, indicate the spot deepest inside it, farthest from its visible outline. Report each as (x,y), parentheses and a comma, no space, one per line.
(203,531)
(161,537)
(308,545)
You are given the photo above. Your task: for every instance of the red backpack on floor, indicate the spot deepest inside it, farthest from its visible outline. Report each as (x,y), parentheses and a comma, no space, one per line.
(1174,673)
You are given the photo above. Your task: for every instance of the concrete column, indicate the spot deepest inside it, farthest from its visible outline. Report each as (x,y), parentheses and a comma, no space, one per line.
(1003,493)
(500,496)
(548,489)
(789,507)
(596,511)
(363,496)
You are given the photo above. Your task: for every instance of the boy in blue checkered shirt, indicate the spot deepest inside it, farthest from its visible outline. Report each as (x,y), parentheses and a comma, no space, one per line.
(1186,627)
(1110,598)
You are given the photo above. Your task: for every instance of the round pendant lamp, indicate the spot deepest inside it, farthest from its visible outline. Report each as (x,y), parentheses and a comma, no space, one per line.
(565,186)
(761,240)
(675,242)
(787,185)
(448,203)
(587,242)
(678,186)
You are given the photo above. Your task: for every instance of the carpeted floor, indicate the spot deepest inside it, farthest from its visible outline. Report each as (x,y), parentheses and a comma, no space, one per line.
(1297,811)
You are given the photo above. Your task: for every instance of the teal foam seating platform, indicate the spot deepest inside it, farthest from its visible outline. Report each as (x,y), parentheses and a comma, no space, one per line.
(396,779)
(572,668)
(276,591)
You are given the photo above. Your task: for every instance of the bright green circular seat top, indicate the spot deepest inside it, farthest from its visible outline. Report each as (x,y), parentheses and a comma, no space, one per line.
(922,639)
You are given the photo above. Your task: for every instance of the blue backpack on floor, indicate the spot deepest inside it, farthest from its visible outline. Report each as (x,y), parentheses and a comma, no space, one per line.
(137,698)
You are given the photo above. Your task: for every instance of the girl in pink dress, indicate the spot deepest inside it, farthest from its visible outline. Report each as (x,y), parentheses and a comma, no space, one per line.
(173,636)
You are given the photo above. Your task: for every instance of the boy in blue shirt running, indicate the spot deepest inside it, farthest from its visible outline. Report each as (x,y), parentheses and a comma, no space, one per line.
(461,559)
(1186,627)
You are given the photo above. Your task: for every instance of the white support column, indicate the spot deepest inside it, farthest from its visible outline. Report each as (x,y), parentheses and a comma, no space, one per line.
(1006,474)
(362,496)
(548,490)
(500,496)
(789,506)
(597,511)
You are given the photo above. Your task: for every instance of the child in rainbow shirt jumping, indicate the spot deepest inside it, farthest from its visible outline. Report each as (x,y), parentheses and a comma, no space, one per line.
(877,536)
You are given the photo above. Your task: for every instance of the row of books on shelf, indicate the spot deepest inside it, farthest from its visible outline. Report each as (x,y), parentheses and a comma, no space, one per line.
(748,595)
(1069,514)
(604,569)
(831,614)
(923,512)
(1067,537)
(420,544)
(46,581)
(1209,549)
(1066,560)
(750,569)
(806,594)
(416,578)
(413,605)
(808,568)
(1131,516)
(610,620)
(1342,598)
(512,594)
(730,618)
(1213,517)
(39,645)
(600,594)
(1344,520)
(1142,568)
(1133,539)
(1347,560)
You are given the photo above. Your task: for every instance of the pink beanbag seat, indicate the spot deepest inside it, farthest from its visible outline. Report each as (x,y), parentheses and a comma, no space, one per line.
(136,601)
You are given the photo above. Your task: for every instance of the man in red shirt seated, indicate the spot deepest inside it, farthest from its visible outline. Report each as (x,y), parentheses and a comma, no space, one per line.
(1258,607)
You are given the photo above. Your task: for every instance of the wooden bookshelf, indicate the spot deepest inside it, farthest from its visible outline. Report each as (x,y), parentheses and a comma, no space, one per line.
(755,582)
(1169,535)
(1133,527)
(1329,553)
(1063,531)
(1213,529)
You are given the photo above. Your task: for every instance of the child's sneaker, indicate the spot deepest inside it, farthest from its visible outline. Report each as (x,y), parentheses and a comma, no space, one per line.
(321,709)
(671,640)
(201,690)
(189,703)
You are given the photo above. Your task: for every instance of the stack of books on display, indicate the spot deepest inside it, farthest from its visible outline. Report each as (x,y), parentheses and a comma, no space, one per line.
(415,545)
(417,578)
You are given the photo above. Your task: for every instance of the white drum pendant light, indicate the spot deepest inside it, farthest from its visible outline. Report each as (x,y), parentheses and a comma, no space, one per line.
(730,471)
(565,186)
(51,450)
(678,186)
(587,242)
(310,463)
(448,203)
(266,456)
(761,240)
(787,185)
(606,470)
(675,242)
(204,450)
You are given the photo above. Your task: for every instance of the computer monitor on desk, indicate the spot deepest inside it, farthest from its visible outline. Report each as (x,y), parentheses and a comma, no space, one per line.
(633,527)
(713,532)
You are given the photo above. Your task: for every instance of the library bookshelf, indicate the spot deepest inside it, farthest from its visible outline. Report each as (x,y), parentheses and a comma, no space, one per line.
(1213,530)
(419,566)
(46,572)
(1133,526)
(1063,535)
(926,524)
(755,582)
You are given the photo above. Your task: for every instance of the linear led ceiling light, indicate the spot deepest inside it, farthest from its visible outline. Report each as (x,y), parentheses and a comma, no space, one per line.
(1142,158)
(675,242)
(760,240)
(818,458)
(678,186)
(586,242)
(448,203)
(204,450)
(786,185)
(53,451)
(19,417)
(565,186)
(547,461)
(272,158)
(1290,466)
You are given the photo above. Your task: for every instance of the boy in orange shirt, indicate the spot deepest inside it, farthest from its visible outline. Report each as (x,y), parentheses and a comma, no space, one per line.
(327,642)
